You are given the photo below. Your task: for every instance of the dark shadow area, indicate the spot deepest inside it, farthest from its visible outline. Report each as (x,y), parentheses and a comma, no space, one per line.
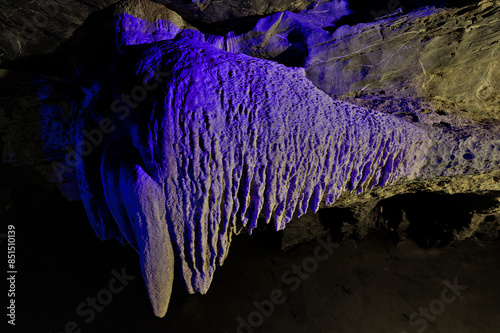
(84,56)
(295,55)
(266,234)
(431,219)
(340,221)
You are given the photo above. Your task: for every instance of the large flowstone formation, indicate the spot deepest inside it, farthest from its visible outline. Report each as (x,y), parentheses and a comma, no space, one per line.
(225,139)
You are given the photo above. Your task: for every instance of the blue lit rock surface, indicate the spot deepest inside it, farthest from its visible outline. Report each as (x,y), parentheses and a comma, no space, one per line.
(218,143)
(228,138)
(404,63)
(224,139)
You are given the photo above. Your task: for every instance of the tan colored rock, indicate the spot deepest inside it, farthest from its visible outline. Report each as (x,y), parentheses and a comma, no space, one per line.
(443,59)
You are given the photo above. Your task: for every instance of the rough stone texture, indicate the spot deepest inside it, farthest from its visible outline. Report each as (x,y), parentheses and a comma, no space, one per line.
(413,64)
(157,23)
(462,147)
(33,28)
(290,38)
(227,138)
(302,229)
(447,58)
(208,11)
(469,199)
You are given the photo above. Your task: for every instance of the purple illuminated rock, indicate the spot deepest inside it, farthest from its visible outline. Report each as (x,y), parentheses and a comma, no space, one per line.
(226,139)
(405,62)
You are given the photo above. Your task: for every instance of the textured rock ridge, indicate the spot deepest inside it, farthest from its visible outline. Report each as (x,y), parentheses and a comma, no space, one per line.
(227,139)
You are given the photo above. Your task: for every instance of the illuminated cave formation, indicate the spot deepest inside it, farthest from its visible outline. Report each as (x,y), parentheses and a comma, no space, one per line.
(224,140)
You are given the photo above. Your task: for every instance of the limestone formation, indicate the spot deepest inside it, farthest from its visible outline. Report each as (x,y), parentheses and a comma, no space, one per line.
(223,140)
